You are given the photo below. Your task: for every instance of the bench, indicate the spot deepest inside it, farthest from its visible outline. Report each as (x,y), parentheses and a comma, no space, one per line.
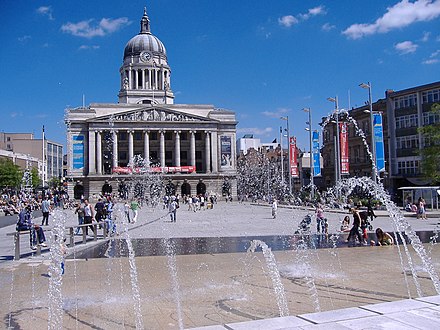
(17,235)
(71,234)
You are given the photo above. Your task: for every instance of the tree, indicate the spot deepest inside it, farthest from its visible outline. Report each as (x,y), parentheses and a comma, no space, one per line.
(430,153)
(36,181)
(10,174)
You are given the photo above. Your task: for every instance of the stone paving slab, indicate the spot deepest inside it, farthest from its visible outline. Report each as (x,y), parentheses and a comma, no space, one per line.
(425,318)
(432,300)
(273,323)
(374,322)
(396,306)
(336,315)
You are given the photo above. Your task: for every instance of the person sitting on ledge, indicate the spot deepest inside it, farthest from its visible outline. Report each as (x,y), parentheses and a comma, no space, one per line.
(383,238)
(35,231)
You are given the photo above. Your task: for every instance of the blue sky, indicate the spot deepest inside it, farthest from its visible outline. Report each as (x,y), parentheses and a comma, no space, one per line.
(261,59)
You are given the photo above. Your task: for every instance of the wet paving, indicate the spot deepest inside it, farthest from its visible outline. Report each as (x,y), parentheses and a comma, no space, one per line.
(215,245)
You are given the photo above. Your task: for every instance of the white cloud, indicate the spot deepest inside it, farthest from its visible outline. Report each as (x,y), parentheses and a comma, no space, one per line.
(46,11)
(287,21)
(400,15)
(328,27)
(24,38)
(86,47)
(431,61)
(254,130)
(406,47)
(433,58)
(320,10)
(87,29)
(276,114)
(426,36)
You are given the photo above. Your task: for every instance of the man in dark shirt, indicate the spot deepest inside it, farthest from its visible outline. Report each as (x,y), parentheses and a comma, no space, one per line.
(35,232)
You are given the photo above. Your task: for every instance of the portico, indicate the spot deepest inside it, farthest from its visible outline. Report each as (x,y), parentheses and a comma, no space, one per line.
(146,130)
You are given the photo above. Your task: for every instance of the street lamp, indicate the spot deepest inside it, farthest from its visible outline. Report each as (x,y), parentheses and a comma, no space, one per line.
(288,150)
(312,170)
(337,153)
(282,161)
(373,142)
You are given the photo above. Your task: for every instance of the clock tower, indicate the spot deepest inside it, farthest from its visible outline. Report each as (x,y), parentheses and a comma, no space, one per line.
(145,73)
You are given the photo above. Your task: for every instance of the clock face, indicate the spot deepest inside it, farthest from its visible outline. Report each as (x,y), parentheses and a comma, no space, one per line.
(145,56)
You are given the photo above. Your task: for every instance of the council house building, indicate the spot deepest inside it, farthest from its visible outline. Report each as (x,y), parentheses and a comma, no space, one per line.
(193,145)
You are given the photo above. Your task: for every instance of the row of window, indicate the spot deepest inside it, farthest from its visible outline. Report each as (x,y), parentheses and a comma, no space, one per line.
(411,99)
(408,167)
(407,142)
(407,121)
(431,96)
(405,101)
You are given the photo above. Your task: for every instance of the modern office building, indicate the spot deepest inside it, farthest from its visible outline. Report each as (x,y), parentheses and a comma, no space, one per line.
(25,146)
(193,145)
(407,111)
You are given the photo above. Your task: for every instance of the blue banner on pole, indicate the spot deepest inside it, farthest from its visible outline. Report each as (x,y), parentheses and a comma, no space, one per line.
(78,151)
(316,154)
(378,140)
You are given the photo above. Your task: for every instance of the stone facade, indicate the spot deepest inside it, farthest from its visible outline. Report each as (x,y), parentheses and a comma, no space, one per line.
(188,143)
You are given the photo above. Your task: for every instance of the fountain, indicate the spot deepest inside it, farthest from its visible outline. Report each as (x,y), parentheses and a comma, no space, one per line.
(161,275)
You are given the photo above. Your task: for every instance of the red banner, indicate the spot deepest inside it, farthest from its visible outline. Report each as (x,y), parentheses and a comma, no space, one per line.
(167,169)
(293,160)
(343,140)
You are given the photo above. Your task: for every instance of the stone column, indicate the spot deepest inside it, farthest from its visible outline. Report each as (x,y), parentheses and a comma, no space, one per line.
(143,79)
(192,148)
(162,148)
(234,151)
(92,143)
(136,77)
(207,152)
(130,75)
(130,148)
(147,148)
(115,149)
(99,152)
(214,153)
(177,149)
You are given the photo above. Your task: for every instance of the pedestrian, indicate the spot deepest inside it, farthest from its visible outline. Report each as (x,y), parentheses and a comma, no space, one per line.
(421,212)
(36,233)
(45,208)
(100,210)
(172,209)
(354,231)
(274,208)
(80,212)
(320,219)
(127,211)
(88,215)
(134,206)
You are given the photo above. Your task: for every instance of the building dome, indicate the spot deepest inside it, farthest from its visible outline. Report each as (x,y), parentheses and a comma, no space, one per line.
(144,41)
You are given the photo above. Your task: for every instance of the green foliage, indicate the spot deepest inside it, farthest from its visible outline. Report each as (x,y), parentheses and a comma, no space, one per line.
(10,174)
(36,181)
(430,153)
(54,182)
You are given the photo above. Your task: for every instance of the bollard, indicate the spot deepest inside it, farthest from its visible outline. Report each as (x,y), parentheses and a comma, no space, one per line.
(72,237)
(17,245)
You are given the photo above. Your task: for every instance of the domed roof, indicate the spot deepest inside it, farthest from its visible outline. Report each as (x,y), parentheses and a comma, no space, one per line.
(144,41)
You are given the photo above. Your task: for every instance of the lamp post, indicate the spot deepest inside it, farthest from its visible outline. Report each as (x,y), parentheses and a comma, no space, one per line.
(288,150)
(373,142)
(282,162)
(337,152)
(312,170)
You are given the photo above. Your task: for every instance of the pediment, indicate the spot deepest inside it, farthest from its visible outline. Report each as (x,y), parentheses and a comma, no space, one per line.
(151,114)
